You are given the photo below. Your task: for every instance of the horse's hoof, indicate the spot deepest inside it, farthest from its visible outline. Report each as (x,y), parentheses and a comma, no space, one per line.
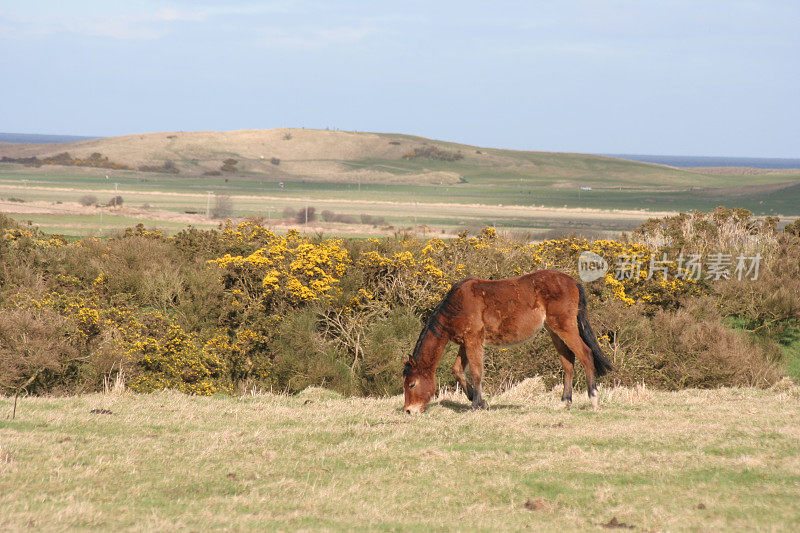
(482,405)
(564,406)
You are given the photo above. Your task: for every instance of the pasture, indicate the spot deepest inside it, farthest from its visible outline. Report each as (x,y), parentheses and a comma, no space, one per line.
(355,174)
(727,458)
(50,199)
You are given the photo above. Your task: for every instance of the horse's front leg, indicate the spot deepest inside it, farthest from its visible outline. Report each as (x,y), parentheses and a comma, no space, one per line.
(474,351)
(458,372)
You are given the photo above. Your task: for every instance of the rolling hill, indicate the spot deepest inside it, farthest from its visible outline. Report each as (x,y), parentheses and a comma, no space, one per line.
(339,156)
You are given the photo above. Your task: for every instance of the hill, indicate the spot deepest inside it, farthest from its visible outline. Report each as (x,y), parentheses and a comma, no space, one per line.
(339,156)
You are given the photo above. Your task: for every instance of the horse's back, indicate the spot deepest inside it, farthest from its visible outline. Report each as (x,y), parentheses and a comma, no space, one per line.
(511,310)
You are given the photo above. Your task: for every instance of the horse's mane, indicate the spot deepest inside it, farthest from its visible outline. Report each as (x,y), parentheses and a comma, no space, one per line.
(447,308)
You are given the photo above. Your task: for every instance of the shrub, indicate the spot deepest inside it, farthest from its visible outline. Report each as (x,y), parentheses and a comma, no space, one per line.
(96,160)
(39,344)
(373,220)
(287,271)
(240,306)
(168,167)
(306,215)
(303,357)
(142,268)
(223,206)
(433,152)
(116,201)
(87,200)
(229,165)
(690,347)
(793,228)
(173,359)
(330,216)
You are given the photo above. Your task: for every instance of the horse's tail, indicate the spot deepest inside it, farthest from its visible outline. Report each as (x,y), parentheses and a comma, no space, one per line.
(601,363)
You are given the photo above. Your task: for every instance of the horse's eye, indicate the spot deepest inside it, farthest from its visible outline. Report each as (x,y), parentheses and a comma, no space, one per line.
(411,386)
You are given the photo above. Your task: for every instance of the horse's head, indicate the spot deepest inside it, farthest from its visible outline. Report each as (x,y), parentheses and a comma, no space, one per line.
(419,387)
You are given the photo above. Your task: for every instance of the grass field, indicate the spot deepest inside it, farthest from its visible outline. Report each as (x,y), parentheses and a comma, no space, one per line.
(690,460)
(363,173)
(50,198)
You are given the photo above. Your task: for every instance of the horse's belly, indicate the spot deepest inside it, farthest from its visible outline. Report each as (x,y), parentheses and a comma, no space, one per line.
(513,330)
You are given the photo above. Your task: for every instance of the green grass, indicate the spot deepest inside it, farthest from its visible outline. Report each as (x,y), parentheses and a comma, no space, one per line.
(791,345)
(493,189)
(319,461)
(616,185)
(788,337)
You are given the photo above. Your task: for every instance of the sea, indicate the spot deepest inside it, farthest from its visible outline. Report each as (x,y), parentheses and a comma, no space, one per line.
(40,138)
(711,161)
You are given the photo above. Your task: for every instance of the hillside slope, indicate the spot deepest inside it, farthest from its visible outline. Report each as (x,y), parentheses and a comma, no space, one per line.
(317,155)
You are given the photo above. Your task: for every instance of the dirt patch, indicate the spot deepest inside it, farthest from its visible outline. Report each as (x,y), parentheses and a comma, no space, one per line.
(472,209)
(74,208)
(539,504)
(279,225)
(616,524)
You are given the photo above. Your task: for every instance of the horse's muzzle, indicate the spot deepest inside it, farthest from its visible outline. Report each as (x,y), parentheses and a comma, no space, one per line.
(414,409)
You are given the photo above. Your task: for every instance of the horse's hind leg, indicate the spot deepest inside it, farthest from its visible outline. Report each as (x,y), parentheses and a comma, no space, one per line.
(571,336)
(474,351)
(568,362)
(458,371)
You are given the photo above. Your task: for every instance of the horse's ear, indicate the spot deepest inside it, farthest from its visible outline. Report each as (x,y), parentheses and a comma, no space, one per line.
(408,367)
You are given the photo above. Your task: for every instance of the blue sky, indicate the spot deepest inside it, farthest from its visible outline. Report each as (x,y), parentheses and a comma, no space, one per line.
(667,77)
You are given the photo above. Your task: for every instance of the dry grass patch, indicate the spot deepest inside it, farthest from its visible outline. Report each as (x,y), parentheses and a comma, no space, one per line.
(321,461)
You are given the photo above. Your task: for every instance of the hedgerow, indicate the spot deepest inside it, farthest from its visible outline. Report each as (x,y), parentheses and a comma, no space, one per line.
(241,307)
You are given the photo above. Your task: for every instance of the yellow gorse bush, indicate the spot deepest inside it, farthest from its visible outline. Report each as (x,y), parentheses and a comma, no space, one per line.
(421,275)
(158,352)
(12,235)
(175,360)
(289,269)
(250,283)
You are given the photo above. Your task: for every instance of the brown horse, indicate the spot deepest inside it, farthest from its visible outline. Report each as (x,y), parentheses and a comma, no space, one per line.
(476,312)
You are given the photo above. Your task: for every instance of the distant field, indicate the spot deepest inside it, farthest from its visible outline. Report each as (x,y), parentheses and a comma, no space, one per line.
(726,459)
(170,198)
(362,173)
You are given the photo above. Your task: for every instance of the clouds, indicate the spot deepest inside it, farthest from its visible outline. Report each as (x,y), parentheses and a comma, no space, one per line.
(309,39)
(139,26)
(288,24)
(678,76)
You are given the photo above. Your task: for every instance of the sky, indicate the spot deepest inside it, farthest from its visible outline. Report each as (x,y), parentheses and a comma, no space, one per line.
(639,77)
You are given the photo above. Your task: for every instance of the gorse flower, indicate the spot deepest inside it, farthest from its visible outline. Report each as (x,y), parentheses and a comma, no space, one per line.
(214,313)
(290,269)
